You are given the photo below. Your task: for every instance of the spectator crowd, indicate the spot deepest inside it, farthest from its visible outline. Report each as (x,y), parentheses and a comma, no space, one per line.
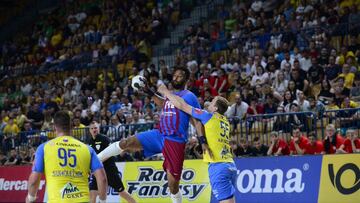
(264,56)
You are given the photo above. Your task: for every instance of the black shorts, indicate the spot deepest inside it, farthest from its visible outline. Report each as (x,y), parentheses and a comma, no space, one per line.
(114,181)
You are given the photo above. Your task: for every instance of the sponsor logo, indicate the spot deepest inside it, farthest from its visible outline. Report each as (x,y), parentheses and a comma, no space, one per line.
(70,191)
(152,183)
(9,185)
(335,178)
(271,181)
(67,173)
(97,147)
(169,105)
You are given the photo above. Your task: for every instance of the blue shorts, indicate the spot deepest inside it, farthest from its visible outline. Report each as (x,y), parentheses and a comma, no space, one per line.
(222,179)
(152,142)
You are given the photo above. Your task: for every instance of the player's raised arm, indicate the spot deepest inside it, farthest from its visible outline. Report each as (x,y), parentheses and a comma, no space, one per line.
(177,101)
(151,92)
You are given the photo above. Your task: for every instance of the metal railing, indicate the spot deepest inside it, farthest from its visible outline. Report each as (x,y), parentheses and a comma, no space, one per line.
(36,137)
(252,126)
(262,125)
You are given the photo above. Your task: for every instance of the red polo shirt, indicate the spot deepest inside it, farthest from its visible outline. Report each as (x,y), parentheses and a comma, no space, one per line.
(315,148)
(283,145)
(303,141)
(348,147)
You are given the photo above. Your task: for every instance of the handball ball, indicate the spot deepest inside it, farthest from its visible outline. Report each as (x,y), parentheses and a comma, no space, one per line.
(137,82)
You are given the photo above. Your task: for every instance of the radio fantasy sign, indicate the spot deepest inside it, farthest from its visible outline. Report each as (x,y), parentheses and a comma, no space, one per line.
(147,182)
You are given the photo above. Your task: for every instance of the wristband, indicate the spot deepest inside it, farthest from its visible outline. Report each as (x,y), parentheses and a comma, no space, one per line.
(202,140)
(102,201)
(31,198)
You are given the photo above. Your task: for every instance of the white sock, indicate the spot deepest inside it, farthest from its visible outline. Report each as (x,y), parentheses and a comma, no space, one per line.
(112,150)
(176,198)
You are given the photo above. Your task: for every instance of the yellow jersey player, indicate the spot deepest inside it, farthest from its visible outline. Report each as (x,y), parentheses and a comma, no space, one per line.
(66,163)
(215,143)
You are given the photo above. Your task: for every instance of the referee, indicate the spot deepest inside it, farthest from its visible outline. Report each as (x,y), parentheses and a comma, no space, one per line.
(99,142)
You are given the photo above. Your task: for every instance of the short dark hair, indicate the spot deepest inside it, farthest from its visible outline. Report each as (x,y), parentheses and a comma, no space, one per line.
(312,134)
(222,105)
(186,71)
(256,139)
(62,121)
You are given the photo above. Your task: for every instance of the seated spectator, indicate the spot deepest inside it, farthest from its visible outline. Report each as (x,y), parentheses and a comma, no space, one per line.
(325,95)
(280,83)
(3,159)
(235,148)
(298,142)
(281,121)
(36,117)
(222,83)
(332,70)
(259,149)
(25,157)
(287,101)
(314,146)
(237,111)
(14,159)
(315,77)
(193,149)
(351,143)
(302,102)
(348,76)
(116,130)
(11,128)
(208,88)
(244,148)
(333,140)
(260,76)
(79,128)
(316,107)
(355,90)
(278,146)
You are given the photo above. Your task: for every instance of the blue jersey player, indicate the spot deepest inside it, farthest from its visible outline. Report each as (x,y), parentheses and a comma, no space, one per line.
(170,138)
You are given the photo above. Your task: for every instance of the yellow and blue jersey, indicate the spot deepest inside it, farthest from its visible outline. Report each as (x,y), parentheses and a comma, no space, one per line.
(217,132)
(66,163)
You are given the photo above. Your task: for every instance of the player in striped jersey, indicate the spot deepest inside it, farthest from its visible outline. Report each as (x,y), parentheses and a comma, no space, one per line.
(170,138)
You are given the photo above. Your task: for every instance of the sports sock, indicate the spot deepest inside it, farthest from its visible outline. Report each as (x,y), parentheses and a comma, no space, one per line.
(112,150)
(176,198)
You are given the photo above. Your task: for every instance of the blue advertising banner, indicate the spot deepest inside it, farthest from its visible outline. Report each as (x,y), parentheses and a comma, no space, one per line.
(284,179)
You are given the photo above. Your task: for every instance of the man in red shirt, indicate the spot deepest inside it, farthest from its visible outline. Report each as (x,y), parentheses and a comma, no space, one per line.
(206,77)
(278,146)
(351,143)
(298,142)
(332,141)
(314,146)
(207,87)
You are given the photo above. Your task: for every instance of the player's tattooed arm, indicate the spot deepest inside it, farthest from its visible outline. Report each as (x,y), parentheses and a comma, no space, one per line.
(177,101)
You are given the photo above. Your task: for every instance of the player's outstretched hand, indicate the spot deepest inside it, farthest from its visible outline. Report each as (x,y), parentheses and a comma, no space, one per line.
(146,88)
(163,90)
(206,149)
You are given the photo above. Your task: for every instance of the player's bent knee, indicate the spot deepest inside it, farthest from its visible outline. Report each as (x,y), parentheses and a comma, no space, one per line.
(130,144)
